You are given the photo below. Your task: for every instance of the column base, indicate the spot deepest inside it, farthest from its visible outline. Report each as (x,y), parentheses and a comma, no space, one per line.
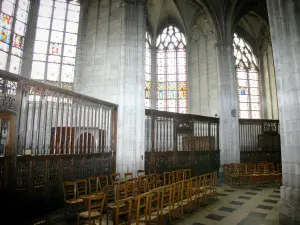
(288,215)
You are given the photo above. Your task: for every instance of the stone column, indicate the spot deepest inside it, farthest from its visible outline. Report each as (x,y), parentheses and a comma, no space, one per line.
(113,70)
(284,20)
(229,126)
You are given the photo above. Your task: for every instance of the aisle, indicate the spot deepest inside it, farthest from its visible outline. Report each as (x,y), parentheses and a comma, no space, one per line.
(253,206)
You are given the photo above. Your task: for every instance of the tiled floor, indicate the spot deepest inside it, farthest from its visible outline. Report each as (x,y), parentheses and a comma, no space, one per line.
(256,206)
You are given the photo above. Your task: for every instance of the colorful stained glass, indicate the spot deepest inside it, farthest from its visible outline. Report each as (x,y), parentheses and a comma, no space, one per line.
(18,41)
(171,67)
(5,21)
(148,71)
(58,56)
(247,76)
(55,49)
(5,35)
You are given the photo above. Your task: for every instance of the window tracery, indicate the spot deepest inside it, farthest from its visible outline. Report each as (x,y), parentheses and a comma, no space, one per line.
(171,71)
(13,24)
(55,42)
(247,78)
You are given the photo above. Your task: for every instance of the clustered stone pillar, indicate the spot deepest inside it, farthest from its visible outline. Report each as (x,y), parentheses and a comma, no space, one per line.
(229,126)
(284,20)
(113,50)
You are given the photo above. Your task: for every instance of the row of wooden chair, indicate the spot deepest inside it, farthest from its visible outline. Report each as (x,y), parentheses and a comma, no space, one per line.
(239,174)
(152,207)
(115,188)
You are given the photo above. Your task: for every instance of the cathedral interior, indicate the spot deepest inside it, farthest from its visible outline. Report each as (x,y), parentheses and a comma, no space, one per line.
(150,112)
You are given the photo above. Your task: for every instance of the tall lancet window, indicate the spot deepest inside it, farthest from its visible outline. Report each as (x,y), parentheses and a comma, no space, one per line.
(171,71)
(13,21)
(247,78)
(148,72)
(55,42)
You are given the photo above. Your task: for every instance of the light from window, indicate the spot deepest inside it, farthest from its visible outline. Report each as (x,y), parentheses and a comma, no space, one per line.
(247,78)
(13,21)
(171,71)
(55,42)
(148,72)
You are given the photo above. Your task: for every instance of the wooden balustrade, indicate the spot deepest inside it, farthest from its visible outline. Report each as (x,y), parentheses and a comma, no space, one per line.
(259,140)
(49,135)
(177,141)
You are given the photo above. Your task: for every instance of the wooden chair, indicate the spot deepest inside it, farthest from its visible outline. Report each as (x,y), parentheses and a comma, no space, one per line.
(121,189)
(142,184)
(95,209)
(114,177)
(93,185)
(128,175)
(72,203)
(155,204)
(140,173)
(168,178)
(123,211)
(166,203)
(130,188)
(81,188)
(202,190)
(142,209)
(177,200)
(187,173)
(102,181)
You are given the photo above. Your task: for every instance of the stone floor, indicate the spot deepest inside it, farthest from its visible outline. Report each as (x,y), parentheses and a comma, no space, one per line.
(245,206)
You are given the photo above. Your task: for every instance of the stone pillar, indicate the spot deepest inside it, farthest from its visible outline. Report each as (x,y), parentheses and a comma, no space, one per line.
(113,70)
(229,126)
(284,20)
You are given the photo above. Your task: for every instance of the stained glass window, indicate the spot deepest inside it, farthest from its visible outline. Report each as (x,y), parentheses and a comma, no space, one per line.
(247,78)
(148,72)
(55,42)
(13,21)
(171,71)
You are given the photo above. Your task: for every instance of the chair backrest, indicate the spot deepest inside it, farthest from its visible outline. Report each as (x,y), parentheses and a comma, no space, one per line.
(168,178)
(81,187)
(114,177)
(123,208)
(93,185)
(69,190)
(128,175)
(121,189)
(142,209)
(261,167)
(270,167)
(142,184)
(96,204)
(130,187)
(251,167)
(102,181)
(140,173)
(110,193)
(279,168)
(155,201)
(187,173)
